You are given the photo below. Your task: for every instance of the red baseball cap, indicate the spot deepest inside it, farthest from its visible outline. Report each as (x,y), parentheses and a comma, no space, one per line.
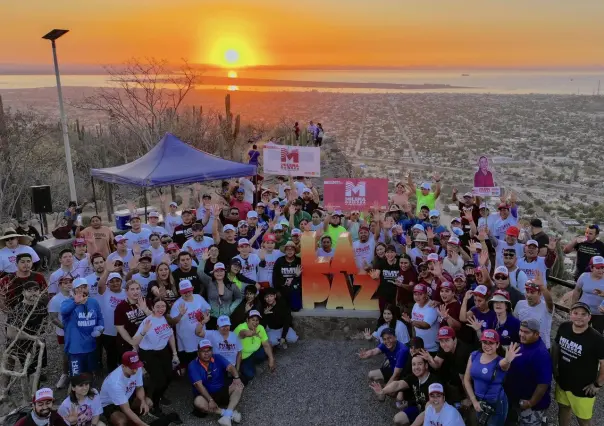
(447,285)
(172,246)
(513,231)
(269,237)
(503,206)
(131,360)
(490,336)
(446,333)
(420,288)
(79,242)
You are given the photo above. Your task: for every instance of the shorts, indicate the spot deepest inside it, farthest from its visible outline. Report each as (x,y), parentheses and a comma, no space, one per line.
(412,411)
(582,407)
(112,408)
(60,340)
(386,373)
(82,363)
(222,396)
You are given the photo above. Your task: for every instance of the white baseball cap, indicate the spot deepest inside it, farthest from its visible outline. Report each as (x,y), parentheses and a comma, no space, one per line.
(154,214)
(481,290)
(223,320)
(501,270)
(418,227)
(254,313)
(434,213)
(478,246)
(113,275)
(228,227)
(296,231)
(120,238)
(278,227)
(436,388)
(78,282)
(252,213)
(243,242)
(532,243)
(173,204)
(306,190)
(432,257)
(218,266)
(185,286)
(453,240)
(44,394)
(596,260)
(456,219)
(204,343)
(468,194)
(426,185)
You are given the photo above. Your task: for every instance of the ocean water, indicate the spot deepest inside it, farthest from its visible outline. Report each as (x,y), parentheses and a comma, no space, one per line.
(503,82)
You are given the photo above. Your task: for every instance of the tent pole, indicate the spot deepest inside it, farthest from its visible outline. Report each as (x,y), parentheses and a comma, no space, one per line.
(96,206)
(145,197)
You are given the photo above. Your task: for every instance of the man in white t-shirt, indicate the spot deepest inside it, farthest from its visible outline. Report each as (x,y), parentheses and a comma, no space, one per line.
(531,262)
(538,305)
(363,248)
(154,226)
(66,261)
(81,259)
(424,319)
(269,254)
(111,294)
(250,262)
(510,242)
(137,235)
(199,244)
(517,277)
(503,222)
(144,275)
(11,245)
(121,253)
(172,219)
(118,388)
(205,214)
(438,412)
(224,341)
(54,310)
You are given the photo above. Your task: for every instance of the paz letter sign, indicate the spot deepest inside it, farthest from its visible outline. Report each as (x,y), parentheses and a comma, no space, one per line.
(336,281)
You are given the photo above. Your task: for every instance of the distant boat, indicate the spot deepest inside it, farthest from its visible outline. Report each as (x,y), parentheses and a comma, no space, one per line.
(465,75)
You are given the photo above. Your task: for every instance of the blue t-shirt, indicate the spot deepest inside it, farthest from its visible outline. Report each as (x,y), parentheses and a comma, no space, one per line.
(211,378)
(253,154)
(487,387)
(488,318)
(533,368)
(510,331)
(78,323)
(397,357)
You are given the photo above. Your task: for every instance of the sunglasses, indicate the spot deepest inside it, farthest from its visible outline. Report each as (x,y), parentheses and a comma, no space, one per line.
(234,213)
(509,256)
(166,242)
(501,277)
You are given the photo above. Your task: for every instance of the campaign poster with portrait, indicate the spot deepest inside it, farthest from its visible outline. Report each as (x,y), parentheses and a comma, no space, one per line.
(484,183)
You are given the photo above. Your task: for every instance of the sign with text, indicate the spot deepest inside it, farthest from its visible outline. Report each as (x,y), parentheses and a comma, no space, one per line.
(355,194)
(335,282)
(493,191)
(484,184)
(292,160)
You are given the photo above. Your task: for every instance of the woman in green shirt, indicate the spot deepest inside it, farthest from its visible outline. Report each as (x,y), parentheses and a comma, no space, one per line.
(255,346)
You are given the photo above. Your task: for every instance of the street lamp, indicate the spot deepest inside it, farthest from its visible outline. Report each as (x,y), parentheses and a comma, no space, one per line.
(53,36)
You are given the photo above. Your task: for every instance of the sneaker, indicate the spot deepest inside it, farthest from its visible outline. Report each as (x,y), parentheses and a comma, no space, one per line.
(63,380)
(224,421)
(236,416)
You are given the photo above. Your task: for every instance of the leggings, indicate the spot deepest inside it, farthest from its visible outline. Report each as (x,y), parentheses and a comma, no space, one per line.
(111,351)
(158,364)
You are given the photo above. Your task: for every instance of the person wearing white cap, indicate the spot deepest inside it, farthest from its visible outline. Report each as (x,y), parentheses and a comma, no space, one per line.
(501,279)
(453,262)
(83,322)
(137,235)
(332,226)
(111,293)
(255,345)
(227,243)
(434,217)
(480,312)
(250,262)
(223,295)
(171,218)
(42,413)
(213,388)
(224,341)
(424,194)
(438,412)
(121,254)
(153,225)
(186,312)
(54,311)
(590,290)
(532,262)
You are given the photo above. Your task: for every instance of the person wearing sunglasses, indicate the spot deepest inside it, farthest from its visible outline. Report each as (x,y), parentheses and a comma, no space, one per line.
(501,279)
(517,276)
(590,290)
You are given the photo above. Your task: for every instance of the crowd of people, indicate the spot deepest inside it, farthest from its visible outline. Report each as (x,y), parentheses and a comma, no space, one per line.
(207,294)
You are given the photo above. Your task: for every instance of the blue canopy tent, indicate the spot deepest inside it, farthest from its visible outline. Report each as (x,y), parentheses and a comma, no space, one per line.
(172,162)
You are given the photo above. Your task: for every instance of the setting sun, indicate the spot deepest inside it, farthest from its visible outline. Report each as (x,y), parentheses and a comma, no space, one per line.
(232,74)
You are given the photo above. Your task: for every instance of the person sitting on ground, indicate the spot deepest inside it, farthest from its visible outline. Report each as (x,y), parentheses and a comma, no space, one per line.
(82,407)
(42,412)
(250,302)
(277,319)
(389,319)
(438,411)
(212,387)
(122,393)
(256,347)
(419,382)
(224,341)
(396,355)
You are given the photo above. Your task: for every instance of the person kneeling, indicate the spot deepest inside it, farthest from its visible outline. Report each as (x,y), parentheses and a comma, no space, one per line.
(212,387)
(122,392)
(278,320)
(438,412)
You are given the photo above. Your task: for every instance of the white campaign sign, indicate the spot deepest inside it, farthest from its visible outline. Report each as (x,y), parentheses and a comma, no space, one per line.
(292,160)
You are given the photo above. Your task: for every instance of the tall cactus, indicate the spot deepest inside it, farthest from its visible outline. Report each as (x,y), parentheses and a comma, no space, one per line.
(2,119)
(230,132)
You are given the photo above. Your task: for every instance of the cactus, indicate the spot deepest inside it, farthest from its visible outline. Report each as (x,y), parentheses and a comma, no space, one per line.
(2,118)
(229,132)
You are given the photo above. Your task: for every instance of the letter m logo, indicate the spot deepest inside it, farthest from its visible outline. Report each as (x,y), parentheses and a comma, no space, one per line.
(293,156)
(353,190)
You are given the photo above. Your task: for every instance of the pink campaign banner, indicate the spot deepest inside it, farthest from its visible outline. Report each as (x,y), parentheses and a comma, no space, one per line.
(355,194)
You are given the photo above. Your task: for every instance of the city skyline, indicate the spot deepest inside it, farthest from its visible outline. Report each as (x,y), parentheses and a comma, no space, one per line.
(269,34)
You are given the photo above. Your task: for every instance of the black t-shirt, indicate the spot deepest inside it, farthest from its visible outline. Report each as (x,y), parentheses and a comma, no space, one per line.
(198,287)
(454,363)
(169,298)
(309,206)
(182,233)
(388,275)
(420,391)
(585,251)
(130,316)
(227,251)
(541,238)
(579,358)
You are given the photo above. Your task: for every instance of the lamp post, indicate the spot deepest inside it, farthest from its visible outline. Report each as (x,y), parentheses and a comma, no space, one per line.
(53,36)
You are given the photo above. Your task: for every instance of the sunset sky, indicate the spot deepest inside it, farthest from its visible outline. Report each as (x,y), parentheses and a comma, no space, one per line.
(381,33)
